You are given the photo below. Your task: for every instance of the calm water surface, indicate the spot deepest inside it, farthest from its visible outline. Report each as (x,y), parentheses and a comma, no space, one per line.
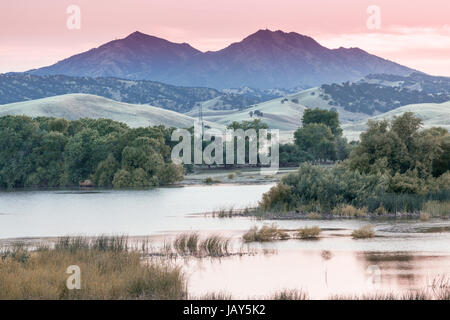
(407,257)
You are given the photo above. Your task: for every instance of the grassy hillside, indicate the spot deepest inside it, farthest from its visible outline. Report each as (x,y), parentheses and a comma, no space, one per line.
(281,113)
(432,114)
(76,106)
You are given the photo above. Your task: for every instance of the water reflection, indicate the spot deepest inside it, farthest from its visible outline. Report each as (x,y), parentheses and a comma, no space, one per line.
(320,274)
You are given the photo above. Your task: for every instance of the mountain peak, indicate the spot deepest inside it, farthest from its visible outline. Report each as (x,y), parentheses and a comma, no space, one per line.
(136,34)
(264,59)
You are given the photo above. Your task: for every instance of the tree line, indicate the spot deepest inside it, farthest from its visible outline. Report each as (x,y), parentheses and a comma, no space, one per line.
(51,152)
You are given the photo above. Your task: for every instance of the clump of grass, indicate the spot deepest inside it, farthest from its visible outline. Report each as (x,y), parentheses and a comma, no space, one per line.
(437,208)
(314,216)
(191,245)
(238,172)
(215,246)
(424,216)
(209,180)
(17,252)
(231,176)
(224,213)
(309,232)
(221,295)
(349,211)
(265,233)
(380,211)
(364,233)
(186,244)
(107,272)
(290,294)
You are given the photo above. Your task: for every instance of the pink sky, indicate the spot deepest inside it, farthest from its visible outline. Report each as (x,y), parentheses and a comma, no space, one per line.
(33,33)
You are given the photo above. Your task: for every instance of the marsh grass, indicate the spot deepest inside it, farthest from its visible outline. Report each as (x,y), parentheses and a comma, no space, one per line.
(191,245)
(231,176)
(210,180)
(349,211)
(309,233)
(314,216)
(424,216)
(363,233)
(108,271)
(440,209)
(265,233)
(221,295)
(289,294)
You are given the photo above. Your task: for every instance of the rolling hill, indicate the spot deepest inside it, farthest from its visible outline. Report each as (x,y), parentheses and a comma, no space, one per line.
(281,113)
(432,114)
(16,87)
(264,60)
(380,93)
(76,106)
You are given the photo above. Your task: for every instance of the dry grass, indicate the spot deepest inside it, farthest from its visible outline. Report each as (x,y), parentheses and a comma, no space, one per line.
(108,271)
(424,216)
(289,294)
(191,245)
(440,209)
(364,233)
(210,180)
(314,216)
(349,211)
(309,232)
(265,233)
(231,176)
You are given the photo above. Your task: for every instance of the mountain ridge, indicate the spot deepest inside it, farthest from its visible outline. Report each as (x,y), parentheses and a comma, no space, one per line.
(264,60)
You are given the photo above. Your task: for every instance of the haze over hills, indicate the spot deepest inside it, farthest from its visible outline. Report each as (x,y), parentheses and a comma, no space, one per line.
(266,59)
(76,106)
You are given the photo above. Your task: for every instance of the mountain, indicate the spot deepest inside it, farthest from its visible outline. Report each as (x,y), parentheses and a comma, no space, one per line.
(385,92)
(16,87)
(76,106)
(265,60)
(432,115)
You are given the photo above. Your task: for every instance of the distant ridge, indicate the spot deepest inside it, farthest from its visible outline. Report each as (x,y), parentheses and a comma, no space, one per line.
(265,59)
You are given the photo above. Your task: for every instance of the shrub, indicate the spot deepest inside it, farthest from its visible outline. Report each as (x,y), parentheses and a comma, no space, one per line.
(309,232)
(363,233)
(278,196)
(231,176)
(209,180)
(265,233)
